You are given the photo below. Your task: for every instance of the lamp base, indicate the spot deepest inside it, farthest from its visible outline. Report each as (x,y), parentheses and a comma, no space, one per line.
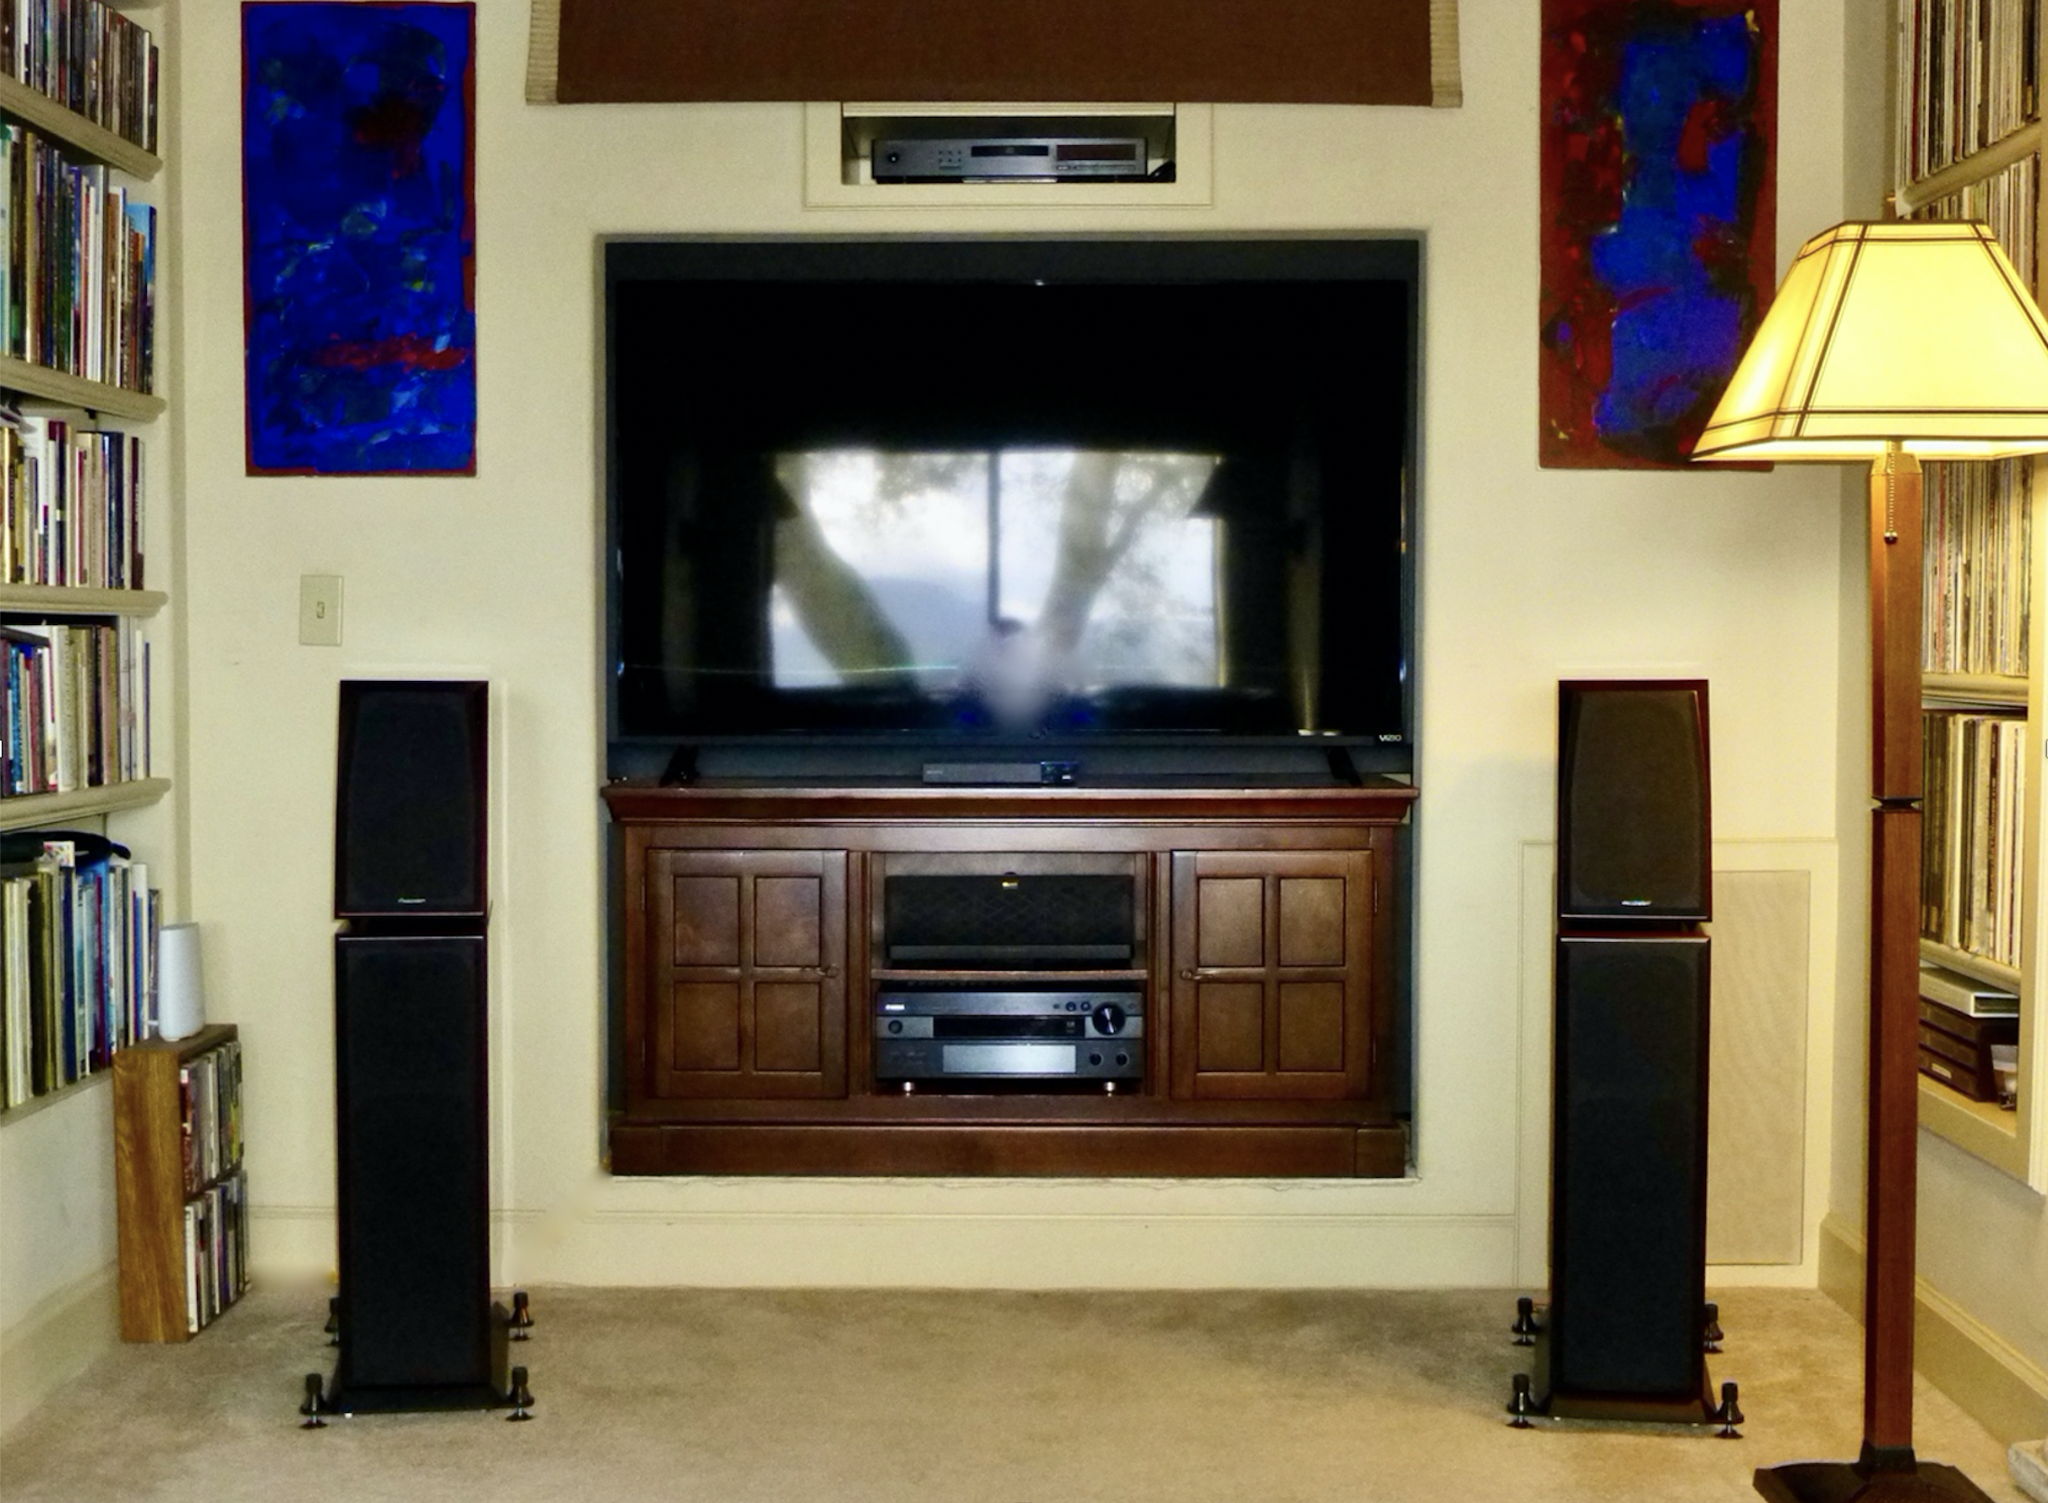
(1879,1477)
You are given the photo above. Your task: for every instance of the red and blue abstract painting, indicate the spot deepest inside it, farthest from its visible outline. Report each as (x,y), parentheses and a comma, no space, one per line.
(1659,219)
(359,258)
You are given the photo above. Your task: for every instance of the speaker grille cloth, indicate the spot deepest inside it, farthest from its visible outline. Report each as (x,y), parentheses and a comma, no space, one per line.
(1633,812)
(1629,1274)
(1027,912)
(415,1262)
(410,820)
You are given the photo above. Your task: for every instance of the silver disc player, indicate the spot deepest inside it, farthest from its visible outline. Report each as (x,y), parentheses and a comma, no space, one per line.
(1094,1033)
(966,159)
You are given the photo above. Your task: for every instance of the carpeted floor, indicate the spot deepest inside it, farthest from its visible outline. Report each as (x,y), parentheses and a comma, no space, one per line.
(737,1396)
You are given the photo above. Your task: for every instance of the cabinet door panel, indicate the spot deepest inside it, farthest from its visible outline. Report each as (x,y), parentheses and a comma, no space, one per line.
(788,927)
(1232,926)
(1273,975)
(1230,1030)
(703,1026)
(1311,1025)
(786,1032)
(1312,920)
(748,958)
(707,920)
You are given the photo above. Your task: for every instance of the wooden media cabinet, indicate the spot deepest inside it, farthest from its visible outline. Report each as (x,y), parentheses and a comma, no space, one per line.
(752,954)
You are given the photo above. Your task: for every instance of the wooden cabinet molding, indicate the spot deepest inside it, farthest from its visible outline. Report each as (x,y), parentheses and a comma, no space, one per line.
(1264,935)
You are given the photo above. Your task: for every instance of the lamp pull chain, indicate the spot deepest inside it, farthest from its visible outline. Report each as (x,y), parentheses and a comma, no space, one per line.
(1891,515)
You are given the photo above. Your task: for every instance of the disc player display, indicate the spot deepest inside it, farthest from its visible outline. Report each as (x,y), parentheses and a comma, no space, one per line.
(961,159)
(1092,1034)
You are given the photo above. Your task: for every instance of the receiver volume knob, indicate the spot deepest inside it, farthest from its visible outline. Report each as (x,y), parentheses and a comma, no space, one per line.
(1109,1018)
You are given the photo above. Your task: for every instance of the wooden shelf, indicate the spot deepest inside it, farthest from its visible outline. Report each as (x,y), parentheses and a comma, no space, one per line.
(75,391)
(1995,690)
(28,809)
(1974,966)
(74,130)
(150,1187)
(1982,1128)
(67,600)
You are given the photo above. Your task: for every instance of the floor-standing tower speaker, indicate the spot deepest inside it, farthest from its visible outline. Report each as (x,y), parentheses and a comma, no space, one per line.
(415,1322)
(1624,1335)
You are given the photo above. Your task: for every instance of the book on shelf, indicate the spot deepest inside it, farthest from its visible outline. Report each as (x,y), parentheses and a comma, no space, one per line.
(73,705)
(80,941)
(70,502)
(87,57)
(216,1242)
(1965,994)
(81,255)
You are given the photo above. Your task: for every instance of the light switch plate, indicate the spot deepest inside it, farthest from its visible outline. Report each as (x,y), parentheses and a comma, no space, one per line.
(320,610)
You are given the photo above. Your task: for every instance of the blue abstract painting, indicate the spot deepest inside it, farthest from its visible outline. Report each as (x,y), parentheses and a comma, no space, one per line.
(359,259)
(1659,219)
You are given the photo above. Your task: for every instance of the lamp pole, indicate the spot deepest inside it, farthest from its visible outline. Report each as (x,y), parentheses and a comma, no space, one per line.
(1887,1471)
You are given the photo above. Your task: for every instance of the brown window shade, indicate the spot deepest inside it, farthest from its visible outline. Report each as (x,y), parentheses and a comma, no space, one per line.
(995,51)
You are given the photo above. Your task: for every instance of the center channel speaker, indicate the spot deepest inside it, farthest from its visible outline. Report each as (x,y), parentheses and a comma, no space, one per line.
(1039,919)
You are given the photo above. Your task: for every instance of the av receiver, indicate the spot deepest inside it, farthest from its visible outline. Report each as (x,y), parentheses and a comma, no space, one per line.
(1095,1033)
(966,159)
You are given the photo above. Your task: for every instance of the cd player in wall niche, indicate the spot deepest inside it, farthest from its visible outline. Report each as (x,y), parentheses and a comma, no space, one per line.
(967,159)
(1097,1033)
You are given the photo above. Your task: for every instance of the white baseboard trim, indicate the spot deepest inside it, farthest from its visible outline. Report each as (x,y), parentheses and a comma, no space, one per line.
(1994,1383)
(2030,1469)
(60,1337)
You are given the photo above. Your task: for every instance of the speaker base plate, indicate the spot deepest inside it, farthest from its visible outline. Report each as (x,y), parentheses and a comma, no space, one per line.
(489,1390)
(1687,1408)
(1846,1482)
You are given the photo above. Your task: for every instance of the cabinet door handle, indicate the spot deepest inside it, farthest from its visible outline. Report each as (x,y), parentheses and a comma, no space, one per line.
(828,970)
(1189,973)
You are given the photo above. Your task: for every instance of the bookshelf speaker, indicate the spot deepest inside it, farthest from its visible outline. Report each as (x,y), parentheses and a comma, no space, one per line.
(1632,802)
(1629,1167)
(412,1169)
(410,800)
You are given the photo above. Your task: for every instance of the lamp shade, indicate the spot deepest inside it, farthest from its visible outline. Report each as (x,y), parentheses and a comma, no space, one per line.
(1918,335)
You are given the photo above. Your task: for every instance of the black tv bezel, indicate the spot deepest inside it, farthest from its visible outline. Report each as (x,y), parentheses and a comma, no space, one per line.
(963,258)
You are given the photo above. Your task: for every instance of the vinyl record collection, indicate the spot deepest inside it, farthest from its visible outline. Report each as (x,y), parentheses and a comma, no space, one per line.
(77,958)
(1976,772)
(1966,78)
(1978,532)
(70,503)
(74,705)
(89,58)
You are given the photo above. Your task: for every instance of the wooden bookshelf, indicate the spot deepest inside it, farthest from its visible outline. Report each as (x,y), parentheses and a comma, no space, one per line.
(1970,142)
(153,1121)
(84,136)
(69,600)
(27,810)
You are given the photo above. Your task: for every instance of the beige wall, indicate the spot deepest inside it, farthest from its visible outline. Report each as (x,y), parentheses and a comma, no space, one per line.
(1527,575)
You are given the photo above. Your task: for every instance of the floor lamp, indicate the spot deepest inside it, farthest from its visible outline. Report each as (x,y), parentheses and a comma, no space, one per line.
(1888,343)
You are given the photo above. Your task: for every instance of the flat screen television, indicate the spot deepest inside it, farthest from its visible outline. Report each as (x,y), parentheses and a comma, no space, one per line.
(930,497)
